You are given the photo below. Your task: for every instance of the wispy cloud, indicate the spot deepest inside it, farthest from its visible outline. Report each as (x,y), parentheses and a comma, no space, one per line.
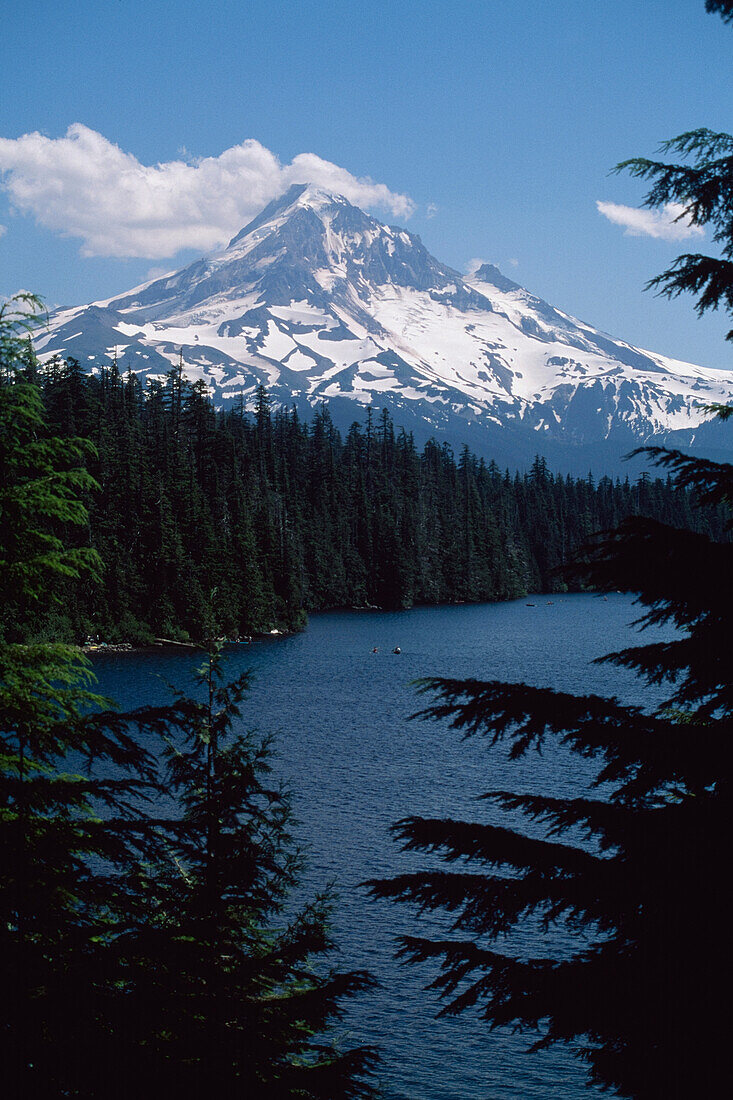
(156,272)
(431,210)
(82,185)
(473,265)
(662,224)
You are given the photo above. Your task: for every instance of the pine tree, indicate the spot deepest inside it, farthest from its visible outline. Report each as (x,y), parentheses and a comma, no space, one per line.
(67,835)
(724,8)
(227,994)
(41,482)
(635,868)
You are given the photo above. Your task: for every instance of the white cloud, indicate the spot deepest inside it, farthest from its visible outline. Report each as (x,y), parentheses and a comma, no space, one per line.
(513,262)
(431,210)
(473,265)
(82,185)
(662,224)
(3,230)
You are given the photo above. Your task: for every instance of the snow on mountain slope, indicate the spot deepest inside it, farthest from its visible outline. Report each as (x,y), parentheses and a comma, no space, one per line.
(319,301)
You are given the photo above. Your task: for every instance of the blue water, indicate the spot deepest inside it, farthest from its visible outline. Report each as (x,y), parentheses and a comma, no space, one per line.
(356,764)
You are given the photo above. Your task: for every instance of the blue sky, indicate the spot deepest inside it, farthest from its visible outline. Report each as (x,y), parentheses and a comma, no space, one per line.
(497,122)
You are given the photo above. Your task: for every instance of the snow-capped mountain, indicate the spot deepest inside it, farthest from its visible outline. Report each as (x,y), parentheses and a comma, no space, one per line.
(321,302)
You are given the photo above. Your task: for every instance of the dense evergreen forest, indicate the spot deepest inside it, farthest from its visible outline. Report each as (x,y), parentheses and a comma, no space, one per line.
(251,520)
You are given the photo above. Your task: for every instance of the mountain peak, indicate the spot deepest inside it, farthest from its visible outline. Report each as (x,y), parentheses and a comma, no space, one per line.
(298,195)
(318,197)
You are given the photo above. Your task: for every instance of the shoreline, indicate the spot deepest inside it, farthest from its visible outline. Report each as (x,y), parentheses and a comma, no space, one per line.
(100,648)
(97,648)
(130,647)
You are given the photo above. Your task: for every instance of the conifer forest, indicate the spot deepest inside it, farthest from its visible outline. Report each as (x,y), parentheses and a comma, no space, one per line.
(277,517)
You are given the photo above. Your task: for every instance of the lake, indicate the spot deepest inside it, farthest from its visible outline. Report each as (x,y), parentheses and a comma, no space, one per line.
(356,763)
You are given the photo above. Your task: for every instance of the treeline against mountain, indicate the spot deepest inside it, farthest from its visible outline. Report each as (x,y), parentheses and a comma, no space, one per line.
(250,521)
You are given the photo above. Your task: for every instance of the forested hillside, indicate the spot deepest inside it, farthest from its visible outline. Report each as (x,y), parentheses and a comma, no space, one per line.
(249,521)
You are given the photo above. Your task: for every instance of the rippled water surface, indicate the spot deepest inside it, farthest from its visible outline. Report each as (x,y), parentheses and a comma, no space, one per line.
(356,764)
